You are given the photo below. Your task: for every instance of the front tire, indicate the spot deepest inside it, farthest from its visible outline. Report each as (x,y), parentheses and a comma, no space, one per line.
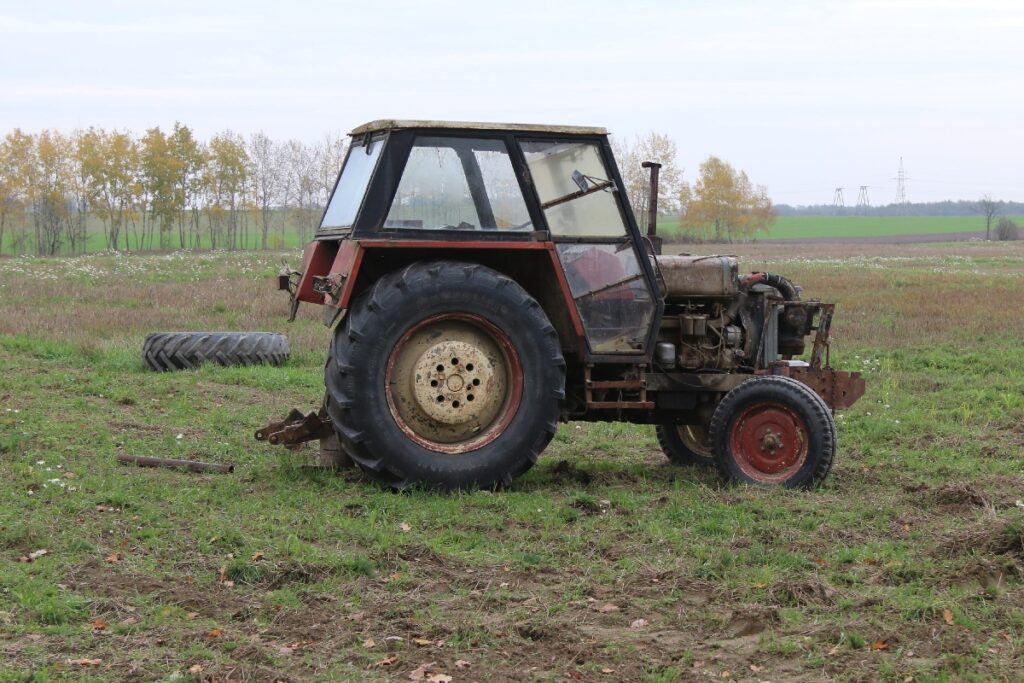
(773,431)
(445,375)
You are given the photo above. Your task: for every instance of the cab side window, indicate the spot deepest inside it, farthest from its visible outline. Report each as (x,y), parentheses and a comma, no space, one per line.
(458,184)
(574,188)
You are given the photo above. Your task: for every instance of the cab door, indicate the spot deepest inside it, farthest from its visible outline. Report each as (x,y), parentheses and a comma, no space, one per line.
(610,281)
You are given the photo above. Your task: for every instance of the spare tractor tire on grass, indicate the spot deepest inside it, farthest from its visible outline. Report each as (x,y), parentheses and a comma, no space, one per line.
(187,350)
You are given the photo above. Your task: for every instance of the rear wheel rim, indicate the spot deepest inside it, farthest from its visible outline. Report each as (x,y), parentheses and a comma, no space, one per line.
(769,442)
(453,383)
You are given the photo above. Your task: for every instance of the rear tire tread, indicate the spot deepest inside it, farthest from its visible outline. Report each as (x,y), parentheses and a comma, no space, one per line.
(164,351)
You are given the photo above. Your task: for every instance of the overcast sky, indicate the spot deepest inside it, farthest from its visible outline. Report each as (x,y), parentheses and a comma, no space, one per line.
(804,96)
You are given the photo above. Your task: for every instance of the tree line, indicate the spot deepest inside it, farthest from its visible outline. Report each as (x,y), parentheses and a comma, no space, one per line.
(721,204)
(160,190)
(948,207)
(93,189)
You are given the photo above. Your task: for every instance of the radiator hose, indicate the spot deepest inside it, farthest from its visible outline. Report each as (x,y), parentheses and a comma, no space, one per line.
(785,287)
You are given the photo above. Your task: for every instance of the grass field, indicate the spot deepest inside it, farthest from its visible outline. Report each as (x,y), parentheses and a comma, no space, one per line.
(604,563)
(811,227)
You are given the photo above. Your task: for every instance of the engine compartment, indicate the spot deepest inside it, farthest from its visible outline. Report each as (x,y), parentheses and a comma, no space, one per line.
(716,319)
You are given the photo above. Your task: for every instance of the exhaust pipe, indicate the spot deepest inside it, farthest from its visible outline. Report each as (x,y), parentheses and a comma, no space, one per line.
(652,206)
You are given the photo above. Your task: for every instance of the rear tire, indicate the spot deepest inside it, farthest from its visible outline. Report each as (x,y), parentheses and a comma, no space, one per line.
(773,431)
(189,350)
(445,375)
(685,444)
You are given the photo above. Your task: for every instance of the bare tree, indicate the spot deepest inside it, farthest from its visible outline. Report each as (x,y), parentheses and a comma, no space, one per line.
(990,208)
(304,185)
(655,147)
(267,177)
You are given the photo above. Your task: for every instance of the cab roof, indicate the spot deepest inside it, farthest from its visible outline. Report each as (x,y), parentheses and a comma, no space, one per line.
(396,124)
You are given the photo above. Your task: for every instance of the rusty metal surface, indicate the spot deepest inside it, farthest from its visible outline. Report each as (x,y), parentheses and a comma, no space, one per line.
(699,276)
(637,384)
(297,428)
(317,258)
(190,465)
(839,389)
(821,339)
(402,124)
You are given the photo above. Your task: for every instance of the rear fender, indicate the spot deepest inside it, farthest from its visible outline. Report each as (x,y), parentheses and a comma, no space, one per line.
(329,273)
(533,265)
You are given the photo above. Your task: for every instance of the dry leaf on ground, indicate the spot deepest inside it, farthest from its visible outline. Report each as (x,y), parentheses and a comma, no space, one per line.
(420,672)
(85,662)
(34,555)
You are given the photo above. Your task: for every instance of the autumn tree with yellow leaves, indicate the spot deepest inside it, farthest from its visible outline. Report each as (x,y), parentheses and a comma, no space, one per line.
(723,205)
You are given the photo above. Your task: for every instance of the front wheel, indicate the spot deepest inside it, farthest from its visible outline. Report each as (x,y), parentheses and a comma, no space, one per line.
(445,375)
(773,431)
(685,444)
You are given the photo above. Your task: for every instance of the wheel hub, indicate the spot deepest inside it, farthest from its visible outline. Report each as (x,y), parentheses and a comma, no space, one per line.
(454,382)
(769,441)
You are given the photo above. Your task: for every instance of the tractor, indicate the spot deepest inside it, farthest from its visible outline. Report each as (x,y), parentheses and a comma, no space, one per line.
(486,281)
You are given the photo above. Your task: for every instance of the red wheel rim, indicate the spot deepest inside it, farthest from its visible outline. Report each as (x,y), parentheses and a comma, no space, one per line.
(768,442)
(421,426)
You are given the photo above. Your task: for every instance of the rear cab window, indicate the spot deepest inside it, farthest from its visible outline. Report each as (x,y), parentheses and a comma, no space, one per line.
(351,186)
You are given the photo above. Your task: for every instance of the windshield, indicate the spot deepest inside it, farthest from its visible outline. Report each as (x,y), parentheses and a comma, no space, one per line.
(348,193)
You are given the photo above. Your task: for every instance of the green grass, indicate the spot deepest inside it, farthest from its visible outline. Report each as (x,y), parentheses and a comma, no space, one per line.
(280,571)
(805,227)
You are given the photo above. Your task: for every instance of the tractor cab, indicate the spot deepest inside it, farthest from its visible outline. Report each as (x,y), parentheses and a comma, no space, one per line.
(483,187)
